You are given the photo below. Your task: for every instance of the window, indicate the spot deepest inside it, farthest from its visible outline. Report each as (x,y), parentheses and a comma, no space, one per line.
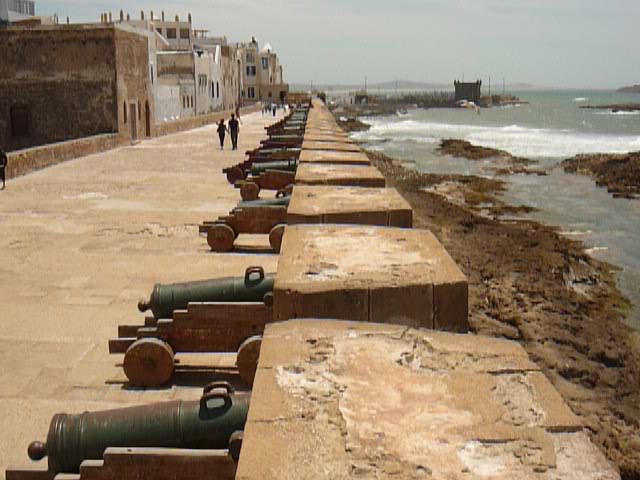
(251,70)
(265,63)
(139,110)
(184,33)
(250,58)
(202,83)
(218,89)
(124,109)
(171,33)
(251,92)
(159,30)
(151,74)
(19,121)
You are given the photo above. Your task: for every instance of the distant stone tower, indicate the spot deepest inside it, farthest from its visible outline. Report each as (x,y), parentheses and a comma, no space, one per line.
(470,91)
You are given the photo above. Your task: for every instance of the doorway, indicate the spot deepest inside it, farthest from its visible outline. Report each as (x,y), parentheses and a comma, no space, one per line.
(147,118)
(133,125)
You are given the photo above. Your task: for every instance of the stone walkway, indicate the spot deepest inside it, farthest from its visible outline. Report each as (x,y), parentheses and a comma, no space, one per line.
(80,244)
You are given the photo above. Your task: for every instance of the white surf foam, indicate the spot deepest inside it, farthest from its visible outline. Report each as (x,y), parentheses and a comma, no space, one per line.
(619,112)
(581,99)
(515,139)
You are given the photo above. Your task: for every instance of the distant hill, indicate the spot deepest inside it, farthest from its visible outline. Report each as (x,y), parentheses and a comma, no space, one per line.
(631,89)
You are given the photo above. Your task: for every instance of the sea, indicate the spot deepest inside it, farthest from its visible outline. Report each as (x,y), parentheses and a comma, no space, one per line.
(549,129)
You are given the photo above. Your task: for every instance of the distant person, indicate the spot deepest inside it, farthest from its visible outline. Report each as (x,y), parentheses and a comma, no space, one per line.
(234,129)
(222,132)
(4,161)
(275,109)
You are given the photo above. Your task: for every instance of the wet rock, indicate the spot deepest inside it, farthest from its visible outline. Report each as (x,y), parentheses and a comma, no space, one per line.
(619,173)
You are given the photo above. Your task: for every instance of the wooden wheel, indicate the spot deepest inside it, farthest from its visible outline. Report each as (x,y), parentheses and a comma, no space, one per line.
(148,363)
(247,361)
(235,174)
(235,445)
(249,191)
(221,237)
(275,237)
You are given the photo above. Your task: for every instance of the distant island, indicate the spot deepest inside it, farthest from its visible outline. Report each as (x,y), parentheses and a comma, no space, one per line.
(631,89)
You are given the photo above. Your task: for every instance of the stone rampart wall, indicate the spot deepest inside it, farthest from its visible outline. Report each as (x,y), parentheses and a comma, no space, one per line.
(29,160)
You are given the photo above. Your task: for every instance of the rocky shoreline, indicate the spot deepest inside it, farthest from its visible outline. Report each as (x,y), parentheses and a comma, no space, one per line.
(503,163)
(530,284)
(615,108)
(620,173)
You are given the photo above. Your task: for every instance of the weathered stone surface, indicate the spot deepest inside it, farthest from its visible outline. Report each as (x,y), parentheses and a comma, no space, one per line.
(345,175)
(355,205)
(338,400)
(337,146)
(369,273)
(333,157)
(334,137)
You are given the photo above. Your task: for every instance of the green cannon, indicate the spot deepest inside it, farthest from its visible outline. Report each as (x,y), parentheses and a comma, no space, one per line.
(281,201)
(255,286)
(212,423)
(282,165)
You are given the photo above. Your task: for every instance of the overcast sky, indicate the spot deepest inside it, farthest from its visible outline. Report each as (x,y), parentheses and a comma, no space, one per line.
(564,43)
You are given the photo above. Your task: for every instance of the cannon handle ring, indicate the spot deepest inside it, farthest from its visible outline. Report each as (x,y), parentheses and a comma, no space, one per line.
(252,270)
(216,390)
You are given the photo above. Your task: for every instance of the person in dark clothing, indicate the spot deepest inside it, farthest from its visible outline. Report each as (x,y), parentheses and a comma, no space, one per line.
(234,129)
(3,165)
(274,109)
(222,131)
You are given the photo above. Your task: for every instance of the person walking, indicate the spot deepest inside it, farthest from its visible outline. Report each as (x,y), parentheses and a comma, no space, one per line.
(234,129)
(222,131)
(4,161)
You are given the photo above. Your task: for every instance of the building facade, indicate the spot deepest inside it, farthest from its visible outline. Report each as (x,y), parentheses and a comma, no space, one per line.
(262,74)
(16,10)
(122,75)
(59,84)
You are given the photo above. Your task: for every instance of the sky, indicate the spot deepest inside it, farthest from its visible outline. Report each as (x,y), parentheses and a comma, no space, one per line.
(551,43)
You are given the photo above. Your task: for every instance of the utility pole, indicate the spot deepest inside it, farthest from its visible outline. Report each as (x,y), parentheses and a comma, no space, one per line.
(489,86)
(365,84)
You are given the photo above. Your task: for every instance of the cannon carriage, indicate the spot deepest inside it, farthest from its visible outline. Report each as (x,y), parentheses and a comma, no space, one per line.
(211,316)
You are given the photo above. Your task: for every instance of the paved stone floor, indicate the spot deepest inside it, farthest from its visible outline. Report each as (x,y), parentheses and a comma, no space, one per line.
(80,244)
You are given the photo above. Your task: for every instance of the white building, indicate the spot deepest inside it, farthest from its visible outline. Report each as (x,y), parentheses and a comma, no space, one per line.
(16,10)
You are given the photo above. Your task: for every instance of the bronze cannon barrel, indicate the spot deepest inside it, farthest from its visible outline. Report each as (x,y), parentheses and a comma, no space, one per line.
(283,165)
(282,201)
(205,424)
(165,299)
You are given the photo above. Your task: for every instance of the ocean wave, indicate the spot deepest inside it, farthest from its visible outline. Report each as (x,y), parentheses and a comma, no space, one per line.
(516,139)
(581,99)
